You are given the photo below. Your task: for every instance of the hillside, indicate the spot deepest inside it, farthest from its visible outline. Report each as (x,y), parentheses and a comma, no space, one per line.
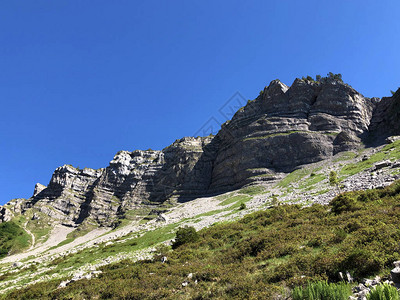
(257,191)
(273,250)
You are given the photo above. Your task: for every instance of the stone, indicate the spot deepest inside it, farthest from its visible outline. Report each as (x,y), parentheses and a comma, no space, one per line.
(17,264)
(349,278)
(5,214)
(382,164)
(395,273)
(38,188)
(392,139)
(63,284)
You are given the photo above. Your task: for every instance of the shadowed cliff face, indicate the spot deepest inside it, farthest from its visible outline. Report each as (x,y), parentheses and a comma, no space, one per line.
(386,118)
(283,128)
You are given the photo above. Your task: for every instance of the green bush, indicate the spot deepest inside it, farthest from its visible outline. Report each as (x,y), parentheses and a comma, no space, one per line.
(185,235)
(362,262)
(383,292)
(343,202)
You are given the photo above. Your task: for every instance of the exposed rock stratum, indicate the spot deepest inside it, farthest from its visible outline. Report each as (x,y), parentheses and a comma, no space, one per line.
(282,129)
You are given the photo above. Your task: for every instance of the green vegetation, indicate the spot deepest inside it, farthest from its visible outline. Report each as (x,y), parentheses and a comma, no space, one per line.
(285,246)
(234,199)
(344,202)
(383,292)
(313,179)
(319,78)
(322,290)
(82,230)
(252,190)
(185,235)
(345,156)
(271,135)
(395,92)
(295,176)
(12,238)
(390,151)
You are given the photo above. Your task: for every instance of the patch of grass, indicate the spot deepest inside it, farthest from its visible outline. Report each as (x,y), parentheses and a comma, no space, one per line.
(322,290)
(82,230)
(241,198)
(313,179)
(320,192)
(295,176)
(391,151)
(64,242)
(271,135)
(345,156)
(40,226)
(12,238)
(383,292)
(253,190)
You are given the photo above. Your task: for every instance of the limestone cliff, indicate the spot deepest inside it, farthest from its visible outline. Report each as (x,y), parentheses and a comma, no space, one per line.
(287,127)
(283,128)
(385,121)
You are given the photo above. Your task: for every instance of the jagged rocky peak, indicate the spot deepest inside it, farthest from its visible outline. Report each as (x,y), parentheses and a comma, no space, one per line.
(124,161)
(38,188)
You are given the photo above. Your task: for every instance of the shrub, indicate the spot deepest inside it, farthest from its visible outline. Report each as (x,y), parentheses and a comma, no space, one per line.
(343,202)
(242,206)
(383,292)
(366,196)
(362,262)
(185,235)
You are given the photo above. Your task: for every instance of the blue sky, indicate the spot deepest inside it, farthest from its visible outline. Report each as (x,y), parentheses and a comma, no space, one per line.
(81,80)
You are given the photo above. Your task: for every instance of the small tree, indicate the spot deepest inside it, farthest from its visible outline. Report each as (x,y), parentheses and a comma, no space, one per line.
(333,180)
(185,235)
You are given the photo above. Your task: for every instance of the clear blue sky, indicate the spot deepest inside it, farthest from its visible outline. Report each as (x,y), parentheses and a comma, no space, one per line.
(81,80)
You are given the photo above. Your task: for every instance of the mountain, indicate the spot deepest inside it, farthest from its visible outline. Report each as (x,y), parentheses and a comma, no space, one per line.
(279,147)
(282,129)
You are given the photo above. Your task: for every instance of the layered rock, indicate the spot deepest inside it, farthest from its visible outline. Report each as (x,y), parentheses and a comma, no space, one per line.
(385,120)
(132,180)
(283,128)
(287,127)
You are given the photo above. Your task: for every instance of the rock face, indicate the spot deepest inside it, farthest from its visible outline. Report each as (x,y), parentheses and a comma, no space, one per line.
(283,128)
(385,120)
(287,127)
(131,180)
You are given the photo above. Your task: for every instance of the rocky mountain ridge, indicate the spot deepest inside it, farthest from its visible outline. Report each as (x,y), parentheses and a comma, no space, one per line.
(282,129)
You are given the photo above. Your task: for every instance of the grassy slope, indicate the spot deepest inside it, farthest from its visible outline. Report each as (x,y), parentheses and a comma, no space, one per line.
(389,152)
(12,238)
(256,256)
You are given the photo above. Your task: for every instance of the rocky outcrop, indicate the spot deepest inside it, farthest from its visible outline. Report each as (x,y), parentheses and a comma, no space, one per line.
(132,180)
(282,129)
(287,127)
(385,120)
